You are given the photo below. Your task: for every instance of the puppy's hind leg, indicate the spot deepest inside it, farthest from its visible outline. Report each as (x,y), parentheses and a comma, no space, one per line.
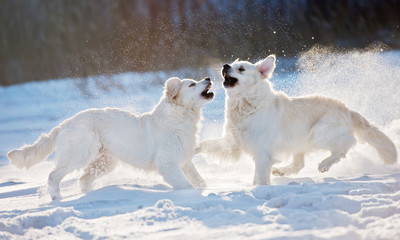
(54,180)
(293,168)
(102,165)
(76,148)
(69,157)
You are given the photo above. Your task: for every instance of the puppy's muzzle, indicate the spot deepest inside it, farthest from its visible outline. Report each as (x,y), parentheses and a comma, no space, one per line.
(206,94)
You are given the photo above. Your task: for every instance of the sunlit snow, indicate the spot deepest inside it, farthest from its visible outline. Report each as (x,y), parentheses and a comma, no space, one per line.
(359,198)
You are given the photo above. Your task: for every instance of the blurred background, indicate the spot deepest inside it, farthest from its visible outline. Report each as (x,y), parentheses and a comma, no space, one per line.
(51,39)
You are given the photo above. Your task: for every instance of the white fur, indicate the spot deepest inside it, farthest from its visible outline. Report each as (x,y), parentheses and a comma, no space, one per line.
(264,123)
(163,140)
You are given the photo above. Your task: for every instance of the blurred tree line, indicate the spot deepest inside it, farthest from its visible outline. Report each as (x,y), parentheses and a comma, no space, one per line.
(48,39)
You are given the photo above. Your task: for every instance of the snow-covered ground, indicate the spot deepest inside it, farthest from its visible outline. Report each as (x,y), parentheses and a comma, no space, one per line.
(359,198)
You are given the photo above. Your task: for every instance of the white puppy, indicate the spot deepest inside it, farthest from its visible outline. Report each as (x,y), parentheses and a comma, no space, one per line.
(164,139)
(263,123)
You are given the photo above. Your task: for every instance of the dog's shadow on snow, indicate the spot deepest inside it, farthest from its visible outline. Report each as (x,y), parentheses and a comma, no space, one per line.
(153,203)
(213,208)
(118,199)
(218,208)
(16,193)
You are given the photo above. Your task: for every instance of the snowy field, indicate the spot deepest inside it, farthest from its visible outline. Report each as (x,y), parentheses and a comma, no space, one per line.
(359,198)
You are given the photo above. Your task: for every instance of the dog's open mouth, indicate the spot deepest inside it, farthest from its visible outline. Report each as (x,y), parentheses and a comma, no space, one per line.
(229,81)
(206,94)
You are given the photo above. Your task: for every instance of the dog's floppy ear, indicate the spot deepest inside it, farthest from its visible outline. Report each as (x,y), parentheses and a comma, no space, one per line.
(267,66)
(172,87)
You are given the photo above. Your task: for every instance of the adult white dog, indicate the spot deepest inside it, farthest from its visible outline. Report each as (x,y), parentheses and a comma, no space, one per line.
(263,123)
(164,139)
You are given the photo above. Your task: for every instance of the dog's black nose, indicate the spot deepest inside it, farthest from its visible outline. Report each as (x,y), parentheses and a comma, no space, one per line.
(226,69)
(207,79)
(226,66)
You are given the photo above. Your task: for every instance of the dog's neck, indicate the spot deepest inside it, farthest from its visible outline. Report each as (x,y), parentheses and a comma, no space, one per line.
(258,94)
(239,107)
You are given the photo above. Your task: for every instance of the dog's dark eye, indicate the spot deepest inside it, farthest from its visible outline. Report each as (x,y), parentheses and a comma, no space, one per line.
(192,85)
(241,69)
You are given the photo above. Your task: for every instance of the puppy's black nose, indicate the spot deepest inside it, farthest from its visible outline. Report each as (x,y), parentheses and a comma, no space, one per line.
(207,79)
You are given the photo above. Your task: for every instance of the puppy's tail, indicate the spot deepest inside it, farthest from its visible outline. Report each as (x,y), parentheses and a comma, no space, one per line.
(373,136)
(29,155)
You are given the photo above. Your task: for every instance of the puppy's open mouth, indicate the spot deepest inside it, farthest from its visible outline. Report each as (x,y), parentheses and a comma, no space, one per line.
(206,94)
(229,81)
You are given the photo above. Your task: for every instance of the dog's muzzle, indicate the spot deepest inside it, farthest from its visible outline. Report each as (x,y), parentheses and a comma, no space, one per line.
(226,69)
(229,81)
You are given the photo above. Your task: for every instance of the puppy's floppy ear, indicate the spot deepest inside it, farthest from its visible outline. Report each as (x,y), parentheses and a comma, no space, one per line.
(267,66)
(172,87)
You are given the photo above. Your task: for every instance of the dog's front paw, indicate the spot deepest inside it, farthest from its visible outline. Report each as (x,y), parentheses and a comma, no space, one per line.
(198,150)
(323,167)
(201,185)
(277,172)
(182,185)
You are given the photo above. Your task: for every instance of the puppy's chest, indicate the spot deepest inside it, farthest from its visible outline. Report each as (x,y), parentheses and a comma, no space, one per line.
(186,138)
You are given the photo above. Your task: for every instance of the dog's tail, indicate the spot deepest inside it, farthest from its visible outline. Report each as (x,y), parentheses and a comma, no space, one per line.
(29,155)
(373,136)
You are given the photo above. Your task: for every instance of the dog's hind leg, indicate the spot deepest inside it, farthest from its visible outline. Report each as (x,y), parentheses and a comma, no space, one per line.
(338,149)
(335,136)
(102,165)
(193,175)
(293,168)
(326,164)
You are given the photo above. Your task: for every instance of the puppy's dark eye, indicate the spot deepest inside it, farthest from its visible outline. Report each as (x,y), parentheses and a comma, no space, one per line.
(192,85)
(241,69)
